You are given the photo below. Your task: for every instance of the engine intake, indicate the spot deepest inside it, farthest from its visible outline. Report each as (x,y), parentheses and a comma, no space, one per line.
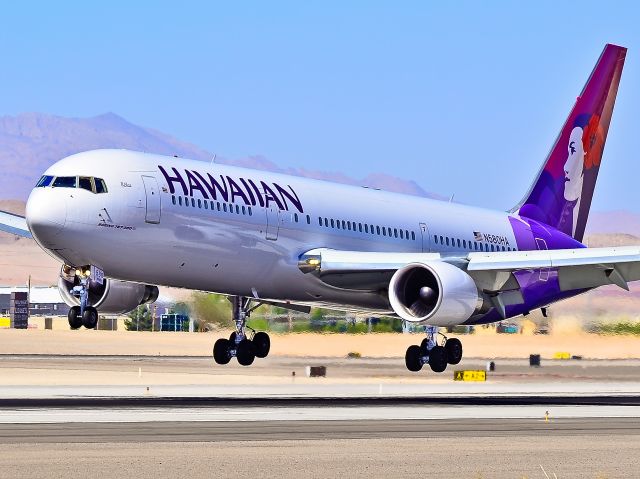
(436,293)
(111,297)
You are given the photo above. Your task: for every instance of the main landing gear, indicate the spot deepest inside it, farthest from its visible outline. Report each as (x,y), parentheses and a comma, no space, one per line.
(239,344)
(438,356)
(83,315)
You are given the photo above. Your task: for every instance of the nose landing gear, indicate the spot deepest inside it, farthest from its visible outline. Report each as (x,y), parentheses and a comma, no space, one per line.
(437,356)
(83,315)
(239,345)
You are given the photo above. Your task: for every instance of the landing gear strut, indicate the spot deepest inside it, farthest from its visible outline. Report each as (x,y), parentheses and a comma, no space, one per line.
(432,353)
(83,315)
(239,344)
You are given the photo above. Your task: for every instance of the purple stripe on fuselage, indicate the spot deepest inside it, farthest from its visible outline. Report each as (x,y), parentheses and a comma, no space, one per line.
(539,287)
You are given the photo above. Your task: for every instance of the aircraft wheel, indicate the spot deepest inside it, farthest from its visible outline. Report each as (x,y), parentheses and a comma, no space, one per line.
(413,358)
(221,351)
(245,352)
(262,344)
(438,359)
(232,338)
(453,349)
(75,320)
(90,317)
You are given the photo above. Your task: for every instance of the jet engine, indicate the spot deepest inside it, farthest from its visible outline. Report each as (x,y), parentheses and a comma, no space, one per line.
(111,297)
(436,293)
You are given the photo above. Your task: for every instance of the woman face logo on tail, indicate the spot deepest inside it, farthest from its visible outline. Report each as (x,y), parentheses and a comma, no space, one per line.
(574,166)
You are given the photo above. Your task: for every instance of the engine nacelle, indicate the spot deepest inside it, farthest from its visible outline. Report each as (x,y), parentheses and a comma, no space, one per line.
(435,293)
(111,297)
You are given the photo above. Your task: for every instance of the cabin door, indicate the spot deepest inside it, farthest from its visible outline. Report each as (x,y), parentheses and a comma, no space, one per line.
(152,194)
(273,222)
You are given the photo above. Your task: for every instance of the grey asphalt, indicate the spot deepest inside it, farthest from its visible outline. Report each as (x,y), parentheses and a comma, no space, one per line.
(313,430)
(595,448)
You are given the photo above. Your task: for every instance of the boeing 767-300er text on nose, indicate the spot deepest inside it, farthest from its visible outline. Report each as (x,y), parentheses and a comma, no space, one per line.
(122,222)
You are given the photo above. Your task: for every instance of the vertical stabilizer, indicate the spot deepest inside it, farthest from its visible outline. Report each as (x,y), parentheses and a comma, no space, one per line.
(561,194)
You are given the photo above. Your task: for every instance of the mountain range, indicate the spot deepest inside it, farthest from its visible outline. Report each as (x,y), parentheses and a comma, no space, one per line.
(30,142)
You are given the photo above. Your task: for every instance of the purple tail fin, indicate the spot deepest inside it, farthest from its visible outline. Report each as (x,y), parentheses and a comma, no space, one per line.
(561,194)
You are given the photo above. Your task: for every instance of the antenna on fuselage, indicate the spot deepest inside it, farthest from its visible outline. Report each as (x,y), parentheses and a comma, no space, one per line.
(213,160)
(451,199)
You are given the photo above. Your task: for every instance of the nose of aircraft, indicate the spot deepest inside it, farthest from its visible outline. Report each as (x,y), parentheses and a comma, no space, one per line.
(46,215)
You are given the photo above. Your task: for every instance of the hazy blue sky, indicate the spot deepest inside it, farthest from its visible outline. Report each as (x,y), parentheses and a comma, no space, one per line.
(462,97)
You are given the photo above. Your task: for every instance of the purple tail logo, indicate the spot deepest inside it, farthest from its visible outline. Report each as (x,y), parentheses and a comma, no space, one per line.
(561,195)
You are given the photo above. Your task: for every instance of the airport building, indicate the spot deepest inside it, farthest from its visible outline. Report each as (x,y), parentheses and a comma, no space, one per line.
(43,301)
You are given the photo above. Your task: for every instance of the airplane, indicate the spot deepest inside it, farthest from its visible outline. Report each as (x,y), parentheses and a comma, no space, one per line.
(122,222)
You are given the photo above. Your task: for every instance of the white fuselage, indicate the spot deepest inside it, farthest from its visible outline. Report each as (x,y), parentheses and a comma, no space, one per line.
(248,244)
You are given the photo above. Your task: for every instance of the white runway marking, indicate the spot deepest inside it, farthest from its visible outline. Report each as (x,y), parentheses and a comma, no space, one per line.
(270,413)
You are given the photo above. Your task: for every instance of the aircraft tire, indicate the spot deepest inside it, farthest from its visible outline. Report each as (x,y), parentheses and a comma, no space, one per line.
(245,352)
(221,351)
(262,344)
(438,359)
(74,318)
(453,349)
(412,358)
(90,317)
(232,338)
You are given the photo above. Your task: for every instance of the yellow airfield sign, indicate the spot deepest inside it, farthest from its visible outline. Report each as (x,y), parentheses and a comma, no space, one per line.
(470,375)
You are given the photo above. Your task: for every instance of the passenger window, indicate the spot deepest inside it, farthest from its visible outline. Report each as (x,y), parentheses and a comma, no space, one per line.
(101,186)
(435,239)
(332,224)
(295,217)
(378,230)
(366,228)
(186,201)
(308,218)
(237,210)
(250,212)
(173,199)
(401,234)
(212,205)
(326,223)
(458,242)
(344,226)
(180,200)
(244,210)
(395,232)
(360,227)
(413,236)
(218,206)
(199,203)
(447,241)
(206,205)
(320,220)
(224,207)
(384,231)
(338,223)
(65,182)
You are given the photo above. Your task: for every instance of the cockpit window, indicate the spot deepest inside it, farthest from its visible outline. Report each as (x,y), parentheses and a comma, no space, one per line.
(89,183)
(64,182)
(101,186)
(44,181)
(84,182)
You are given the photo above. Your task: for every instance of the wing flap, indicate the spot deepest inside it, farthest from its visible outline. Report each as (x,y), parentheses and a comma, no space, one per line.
(14,224)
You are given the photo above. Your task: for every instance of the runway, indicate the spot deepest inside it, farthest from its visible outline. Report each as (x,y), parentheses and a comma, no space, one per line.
(174,417)
(466,448)
(224,431)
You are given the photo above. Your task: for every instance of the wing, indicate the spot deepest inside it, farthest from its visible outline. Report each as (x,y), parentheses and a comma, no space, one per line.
(492,272)
(14,224)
